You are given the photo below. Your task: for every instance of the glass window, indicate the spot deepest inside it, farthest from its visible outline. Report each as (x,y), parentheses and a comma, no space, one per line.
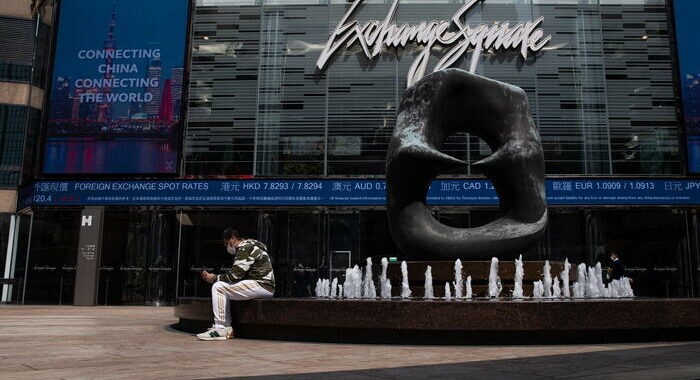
(641,102)
(292,106)
(16,48)
(4,237)
(223,91)
(12,128)
(375,237)
(651,244)
(201,247)
(565,237)
(43,45)
(14,292)
(15,72)
(31,146)
(344,244)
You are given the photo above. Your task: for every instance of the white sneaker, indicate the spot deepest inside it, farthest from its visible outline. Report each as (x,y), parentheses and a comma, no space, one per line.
(216,334)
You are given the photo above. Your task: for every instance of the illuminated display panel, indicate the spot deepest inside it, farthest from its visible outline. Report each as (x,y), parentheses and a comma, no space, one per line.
(117,88)
(686,12)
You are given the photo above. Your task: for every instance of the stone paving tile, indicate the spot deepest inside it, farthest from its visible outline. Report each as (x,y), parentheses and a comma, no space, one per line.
(593,365)
(45,342)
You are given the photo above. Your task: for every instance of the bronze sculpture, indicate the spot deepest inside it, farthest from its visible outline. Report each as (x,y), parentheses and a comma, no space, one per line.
(438,105)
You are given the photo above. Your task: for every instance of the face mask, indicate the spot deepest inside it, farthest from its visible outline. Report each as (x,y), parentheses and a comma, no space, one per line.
(231,250)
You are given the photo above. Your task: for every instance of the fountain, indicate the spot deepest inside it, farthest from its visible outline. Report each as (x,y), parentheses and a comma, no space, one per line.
(621,288)
(469,287)
(318,291)
(537,289)
(556,290)
(347,285)
(352,287)
(519,273)
(565,279)
(576,290)
(357,281)
(555,319)
(592,290)
(458,279)
(627,287)
(600,284)
(334,288)
(494,279)
(428,287)
(614,289)
(547,279)
(384,292)
(369,291)
(323,288)
(405,290)
(589,284)
(580,284)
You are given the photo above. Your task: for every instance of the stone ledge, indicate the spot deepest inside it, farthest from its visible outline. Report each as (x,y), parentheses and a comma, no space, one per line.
(476,321)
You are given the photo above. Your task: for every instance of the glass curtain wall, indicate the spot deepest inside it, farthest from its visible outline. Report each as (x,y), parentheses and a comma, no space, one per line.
(601,92)
(142,248)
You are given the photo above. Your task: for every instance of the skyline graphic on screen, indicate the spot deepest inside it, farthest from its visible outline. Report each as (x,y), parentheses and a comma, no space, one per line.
(686,12)
(117,85)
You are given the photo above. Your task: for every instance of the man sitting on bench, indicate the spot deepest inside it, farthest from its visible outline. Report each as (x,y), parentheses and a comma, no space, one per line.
(250,277)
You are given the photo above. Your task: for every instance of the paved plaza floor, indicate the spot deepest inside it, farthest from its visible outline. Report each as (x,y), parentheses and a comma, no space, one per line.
(65,342)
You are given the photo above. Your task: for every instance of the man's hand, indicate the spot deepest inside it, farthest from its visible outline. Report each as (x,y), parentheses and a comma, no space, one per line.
(208,277)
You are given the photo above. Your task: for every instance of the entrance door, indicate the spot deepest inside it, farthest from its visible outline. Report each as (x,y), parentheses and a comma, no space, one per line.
(343,243)
(321,245)
(304,250)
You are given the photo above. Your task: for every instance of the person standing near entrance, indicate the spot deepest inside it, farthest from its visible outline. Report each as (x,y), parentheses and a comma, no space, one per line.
(250,277)
(617,270)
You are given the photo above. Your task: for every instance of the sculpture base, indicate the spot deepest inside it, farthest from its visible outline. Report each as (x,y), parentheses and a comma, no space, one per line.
(455,322)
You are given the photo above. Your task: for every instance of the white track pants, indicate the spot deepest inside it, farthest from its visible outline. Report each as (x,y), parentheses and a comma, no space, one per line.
(221,292)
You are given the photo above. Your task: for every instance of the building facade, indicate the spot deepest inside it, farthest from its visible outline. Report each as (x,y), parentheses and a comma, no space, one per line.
(605,92)
(25,31)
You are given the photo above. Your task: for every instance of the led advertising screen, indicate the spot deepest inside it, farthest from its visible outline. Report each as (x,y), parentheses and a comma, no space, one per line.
(117,87)
(686,15)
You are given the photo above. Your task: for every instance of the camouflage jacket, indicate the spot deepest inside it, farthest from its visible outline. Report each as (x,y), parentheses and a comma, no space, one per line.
(251,263)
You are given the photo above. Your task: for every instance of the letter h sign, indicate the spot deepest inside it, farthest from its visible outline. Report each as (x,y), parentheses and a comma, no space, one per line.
(86,221)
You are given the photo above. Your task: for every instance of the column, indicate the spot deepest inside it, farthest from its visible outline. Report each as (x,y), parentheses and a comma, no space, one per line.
(89,250)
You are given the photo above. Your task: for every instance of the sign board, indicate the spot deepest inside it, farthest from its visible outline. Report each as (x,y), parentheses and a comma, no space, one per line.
(89,248)
(331,192)
(455,35)
(117,87)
